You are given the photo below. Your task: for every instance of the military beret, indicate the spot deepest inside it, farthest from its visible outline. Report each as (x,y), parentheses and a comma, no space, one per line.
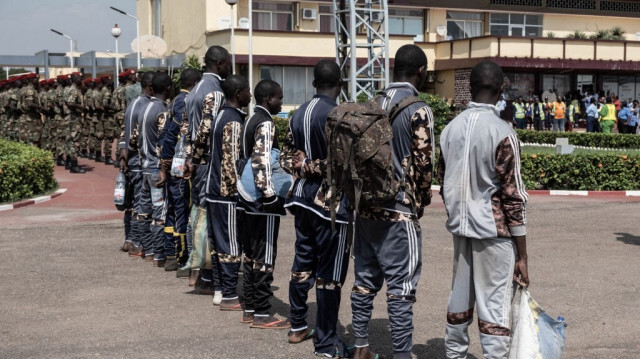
(97,80)
(105,77)
(51,81)
(43,82)
(31,75)
(12,79)
(76,73)
(132,72)
(123,74)
(3,82)
(87,80)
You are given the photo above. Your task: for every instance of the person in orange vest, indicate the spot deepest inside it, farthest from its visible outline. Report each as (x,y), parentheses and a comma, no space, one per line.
(558,115)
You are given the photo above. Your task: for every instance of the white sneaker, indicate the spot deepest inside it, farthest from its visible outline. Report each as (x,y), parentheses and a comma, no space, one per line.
(217,297)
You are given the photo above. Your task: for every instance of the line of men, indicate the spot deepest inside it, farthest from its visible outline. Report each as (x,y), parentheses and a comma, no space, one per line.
(202,226)
(69,116)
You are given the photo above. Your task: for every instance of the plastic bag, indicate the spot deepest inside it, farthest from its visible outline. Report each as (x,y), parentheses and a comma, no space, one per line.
(535,334)
(282,181)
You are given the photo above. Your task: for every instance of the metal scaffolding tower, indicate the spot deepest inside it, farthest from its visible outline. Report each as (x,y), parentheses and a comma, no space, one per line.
(361,28)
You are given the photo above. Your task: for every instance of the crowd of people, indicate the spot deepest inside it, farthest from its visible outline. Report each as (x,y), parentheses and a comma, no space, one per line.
(193,220)
(600,111)
(70,116)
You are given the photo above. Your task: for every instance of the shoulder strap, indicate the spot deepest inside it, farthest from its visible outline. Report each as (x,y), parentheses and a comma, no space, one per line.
(398,107)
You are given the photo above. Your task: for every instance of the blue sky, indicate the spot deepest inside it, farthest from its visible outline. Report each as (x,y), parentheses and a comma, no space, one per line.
(25,24)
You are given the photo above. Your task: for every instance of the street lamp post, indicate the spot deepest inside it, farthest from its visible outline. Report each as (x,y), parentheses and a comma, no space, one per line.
(137,29)
(70,46)
(233,22)
(116,31)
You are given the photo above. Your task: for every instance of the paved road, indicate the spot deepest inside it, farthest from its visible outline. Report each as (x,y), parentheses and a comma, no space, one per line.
(67,292)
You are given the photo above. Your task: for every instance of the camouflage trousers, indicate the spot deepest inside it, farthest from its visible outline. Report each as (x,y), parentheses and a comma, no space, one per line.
(11,126)
(98,133)
(85,135)
(110,134)
(21,128)
(47,140)
(4,125)
(72,135)
(59,133)
(33,128)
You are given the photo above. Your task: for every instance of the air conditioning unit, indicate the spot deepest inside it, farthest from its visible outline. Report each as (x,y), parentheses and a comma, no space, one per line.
(308,14)
(377,16)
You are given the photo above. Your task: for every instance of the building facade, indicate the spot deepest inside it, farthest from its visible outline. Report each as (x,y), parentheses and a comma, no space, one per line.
(541,44)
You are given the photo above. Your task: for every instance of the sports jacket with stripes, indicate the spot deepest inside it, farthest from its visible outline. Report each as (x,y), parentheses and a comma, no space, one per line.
(307,133)
(131,116)
(225,151)
(480,177)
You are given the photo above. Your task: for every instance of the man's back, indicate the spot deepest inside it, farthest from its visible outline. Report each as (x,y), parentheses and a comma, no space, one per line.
(471,151)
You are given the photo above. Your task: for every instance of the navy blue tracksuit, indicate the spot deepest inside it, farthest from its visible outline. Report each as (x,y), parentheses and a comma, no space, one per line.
(322,255)
(178,190)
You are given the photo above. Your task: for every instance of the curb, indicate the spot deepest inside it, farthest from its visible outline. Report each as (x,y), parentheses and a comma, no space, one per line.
(28,202)
(573,193)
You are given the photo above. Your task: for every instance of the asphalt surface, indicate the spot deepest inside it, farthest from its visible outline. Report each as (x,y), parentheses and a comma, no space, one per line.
(67,292)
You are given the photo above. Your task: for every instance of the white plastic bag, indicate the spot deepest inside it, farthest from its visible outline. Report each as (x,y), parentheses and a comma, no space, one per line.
(535,334)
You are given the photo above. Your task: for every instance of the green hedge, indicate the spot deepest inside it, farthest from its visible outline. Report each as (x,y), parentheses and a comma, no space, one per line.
(25,171)
(600,140)
(581,172)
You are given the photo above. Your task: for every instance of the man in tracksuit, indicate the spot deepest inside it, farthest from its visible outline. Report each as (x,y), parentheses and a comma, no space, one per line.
(145,139)
(130,162)
(200,115)
(260,242)
(321,254)
(221,188)
(485,199)
(387,244)
(178,191)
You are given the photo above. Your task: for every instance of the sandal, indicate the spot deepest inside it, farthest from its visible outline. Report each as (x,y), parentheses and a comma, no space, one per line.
(305,335)
(270,322)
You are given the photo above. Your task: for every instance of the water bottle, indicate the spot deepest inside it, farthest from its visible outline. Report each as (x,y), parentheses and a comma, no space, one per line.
(179,158)
(561,325)
(156,193)
(119,191)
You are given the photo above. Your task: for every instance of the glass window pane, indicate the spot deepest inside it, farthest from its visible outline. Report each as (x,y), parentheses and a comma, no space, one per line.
(413,26)
(473,28)
(325,9)
(517,19)
(326,23)
(457,15)
(271,73)
(533,31)
(261,20)
(284,7)
(283,22)
(295,81)
(534,20)
(455,29)
(500,30)
(517,31)
(310,89)
(499,18)
(395,25)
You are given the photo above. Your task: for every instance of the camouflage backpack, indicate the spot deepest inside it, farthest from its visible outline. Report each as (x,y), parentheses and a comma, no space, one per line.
(359,153)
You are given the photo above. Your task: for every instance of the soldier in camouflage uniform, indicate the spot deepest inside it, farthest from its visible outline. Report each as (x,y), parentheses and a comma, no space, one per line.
(74,120)
(120,105)
(59,119)
(90,115)
(133,90)
(85,134)
(14,113)
(47,115)
(98,117)
(31,111)
(108,120)
(4,108)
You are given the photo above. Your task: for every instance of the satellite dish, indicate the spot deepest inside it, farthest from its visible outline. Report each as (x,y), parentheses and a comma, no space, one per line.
(243,23)
(441,30)
(224,23)
(150,46)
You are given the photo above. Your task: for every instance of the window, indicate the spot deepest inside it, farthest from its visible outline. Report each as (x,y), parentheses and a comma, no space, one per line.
(461,25)
(407,22)
(296,82)
(156,6)
(516,25)
(325,15)
(272,16)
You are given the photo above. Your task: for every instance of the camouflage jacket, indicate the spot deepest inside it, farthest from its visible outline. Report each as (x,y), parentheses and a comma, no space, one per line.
(28,96)
(212,104)
(259,136)
(105,100)
(89,101)
(119,101)
(225,151)
(74,96)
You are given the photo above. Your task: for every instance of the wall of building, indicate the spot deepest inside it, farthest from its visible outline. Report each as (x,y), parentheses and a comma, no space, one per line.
(563,25)
(445,84)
